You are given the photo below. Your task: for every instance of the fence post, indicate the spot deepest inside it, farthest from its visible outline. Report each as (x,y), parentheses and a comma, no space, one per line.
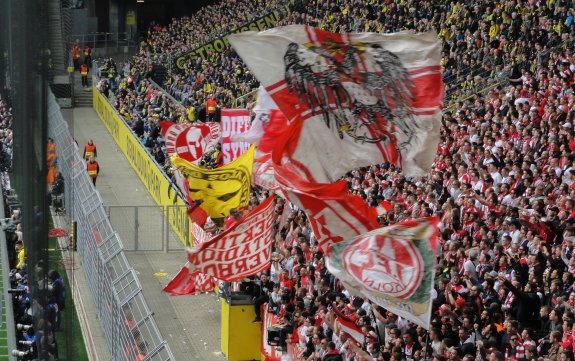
(165,239)
(136,228)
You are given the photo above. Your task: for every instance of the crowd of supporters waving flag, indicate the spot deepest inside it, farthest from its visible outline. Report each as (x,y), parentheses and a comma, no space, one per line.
(496,206)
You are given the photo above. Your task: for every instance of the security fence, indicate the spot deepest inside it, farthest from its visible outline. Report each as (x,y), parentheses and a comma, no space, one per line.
(147,228)
(127,322)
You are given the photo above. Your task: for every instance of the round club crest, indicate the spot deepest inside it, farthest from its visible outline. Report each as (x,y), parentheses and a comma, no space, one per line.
(387,265)
(190,142)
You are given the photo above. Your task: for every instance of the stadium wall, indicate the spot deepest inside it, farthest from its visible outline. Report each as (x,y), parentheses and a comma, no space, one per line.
(146,168)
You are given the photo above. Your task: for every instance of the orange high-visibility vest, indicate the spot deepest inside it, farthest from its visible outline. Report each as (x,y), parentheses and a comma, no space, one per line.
(84,70)
(76,52)
(211,106)
(87,51)
(92,169)
(89,150)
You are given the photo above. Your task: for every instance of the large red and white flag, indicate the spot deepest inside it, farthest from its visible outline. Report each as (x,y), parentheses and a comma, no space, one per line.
(334,213)
(241,251)
(362,98)
(190,141)
(263,173)
(234,121)
(392,266)
(262,109)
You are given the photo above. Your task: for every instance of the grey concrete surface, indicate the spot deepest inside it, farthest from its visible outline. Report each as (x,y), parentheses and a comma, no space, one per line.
(190,324)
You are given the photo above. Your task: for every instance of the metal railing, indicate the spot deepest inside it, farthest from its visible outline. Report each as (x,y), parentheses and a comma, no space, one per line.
(102,40)
(127,322)
(147,228)
(65,12)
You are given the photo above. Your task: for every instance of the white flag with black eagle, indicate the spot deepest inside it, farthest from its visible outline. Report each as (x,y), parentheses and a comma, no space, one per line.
(361,98)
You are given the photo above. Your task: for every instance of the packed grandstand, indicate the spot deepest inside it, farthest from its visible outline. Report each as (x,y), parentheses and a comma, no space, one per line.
(502,183)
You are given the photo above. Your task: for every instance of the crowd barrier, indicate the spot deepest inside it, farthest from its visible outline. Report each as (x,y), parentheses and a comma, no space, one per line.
(145,166)
(127,322)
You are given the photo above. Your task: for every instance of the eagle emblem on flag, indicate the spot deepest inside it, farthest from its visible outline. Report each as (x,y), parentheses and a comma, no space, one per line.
(360,89)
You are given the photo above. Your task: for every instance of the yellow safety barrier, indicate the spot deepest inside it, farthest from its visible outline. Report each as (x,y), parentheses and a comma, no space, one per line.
(152,177)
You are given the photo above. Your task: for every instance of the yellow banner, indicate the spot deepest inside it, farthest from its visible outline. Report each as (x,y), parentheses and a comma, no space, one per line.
(220,44)
(221,189)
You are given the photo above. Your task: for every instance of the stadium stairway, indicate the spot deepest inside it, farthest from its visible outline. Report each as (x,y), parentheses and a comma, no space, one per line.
(160,72)
(56,37)
(82,96)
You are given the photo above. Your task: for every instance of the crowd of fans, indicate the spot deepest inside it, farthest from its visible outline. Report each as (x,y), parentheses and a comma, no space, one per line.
(36,318)
(503,182)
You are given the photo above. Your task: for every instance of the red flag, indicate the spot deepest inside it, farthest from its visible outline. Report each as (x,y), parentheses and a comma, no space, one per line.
(185,283)
(334,213)
(275,127)
(384,207)
(349,327)
(197,214)
(240,251)
(234,121)
(164,126)
(263,168)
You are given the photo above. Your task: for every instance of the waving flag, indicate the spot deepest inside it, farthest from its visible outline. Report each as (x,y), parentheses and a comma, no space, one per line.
(221,189)
(348,326)
(185,283)
(392,266)
(334,213)
(264,174)
(362,98)
(262,109)
(242,250)
(190,141)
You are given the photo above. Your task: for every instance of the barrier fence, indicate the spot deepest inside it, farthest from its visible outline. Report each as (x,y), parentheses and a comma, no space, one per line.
(146,228)
(149,171)
(127,322)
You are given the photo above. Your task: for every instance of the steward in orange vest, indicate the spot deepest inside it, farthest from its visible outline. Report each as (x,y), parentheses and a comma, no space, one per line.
(84,74)
(51,160)
(211,107)
(76,55)
(93,169)
(90,150)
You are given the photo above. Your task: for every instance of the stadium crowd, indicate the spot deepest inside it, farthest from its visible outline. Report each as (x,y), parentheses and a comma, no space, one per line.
(503,182)
(36,319)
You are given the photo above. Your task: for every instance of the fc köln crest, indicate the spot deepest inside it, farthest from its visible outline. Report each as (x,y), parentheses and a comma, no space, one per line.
(191,141)
(384,264)
(392,266)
